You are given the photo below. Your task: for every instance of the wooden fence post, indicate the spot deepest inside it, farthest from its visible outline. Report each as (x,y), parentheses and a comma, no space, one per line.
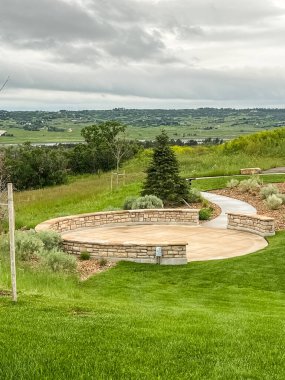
(12,240)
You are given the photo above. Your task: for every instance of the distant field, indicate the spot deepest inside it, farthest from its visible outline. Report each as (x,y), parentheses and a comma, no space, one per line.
(141,124)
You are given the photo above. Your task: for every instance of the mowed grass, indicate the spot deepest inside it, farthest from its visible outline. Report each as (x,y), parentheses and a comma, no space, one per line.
(206,320)
(90,193)
(214,320)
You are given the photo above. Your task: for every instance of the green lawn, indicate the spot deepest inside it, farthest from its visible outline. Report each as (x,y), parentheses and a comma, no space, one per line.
(205,320)
(215,320)
(92,193)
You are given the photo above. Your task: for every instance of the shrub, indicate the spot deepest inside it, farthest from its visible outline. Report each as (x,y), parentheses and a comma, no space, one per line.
(51,239)
(282,197)
(147,202)
(59,261)
(194,196)
(102,262)
(205,203)
(4,242)
(232,183)
(268,190)
(273,202)
(205,213)
(27,245)
(128,203)
(257,179)
(84,256)
(250,185)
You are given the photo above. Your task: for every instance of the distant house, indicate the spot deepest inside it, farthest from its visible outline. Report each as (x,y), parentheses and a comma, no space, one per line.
(2,133)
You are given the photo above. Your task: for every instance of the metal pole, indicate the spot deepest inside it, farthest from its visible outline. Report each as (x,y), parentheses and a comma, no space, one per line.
(12,240)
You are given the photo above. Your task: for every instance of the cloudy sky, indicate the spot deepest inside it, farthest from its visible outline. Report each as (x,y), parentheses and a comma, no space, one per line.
(100,54)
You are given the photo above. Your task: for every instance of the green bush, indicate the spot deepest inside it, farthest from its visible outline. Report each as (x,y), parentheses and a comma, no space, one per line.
(205,203)
(282,197)
(250,185)
(84,256)
(51,239)
(128,203)
(232,183)
(4,242)
(27,245)
(59,261)
(268,190)
(147,202)
(205,213)
(273,202)
(194,196)
(102,262)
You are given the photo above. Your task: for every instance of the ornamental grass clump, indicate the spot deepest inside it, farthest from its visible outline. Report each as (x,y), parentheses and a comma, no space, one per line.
(194,196)
(128,203)
(84,256)
(42,247)
(268,190)
(50,239)
(205,213)
(273,202)
(250,185)
(147,202)
(58,261)
(233,183)
(282,197)
(27,245)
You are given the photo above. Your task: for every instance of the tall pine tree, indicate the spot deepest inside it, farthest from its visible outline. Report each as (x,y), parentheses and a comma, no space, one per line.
(163,178)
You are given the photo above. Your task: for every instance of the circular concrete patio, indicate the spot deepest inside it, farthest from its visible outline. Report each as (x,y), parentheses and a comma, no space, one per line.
(204,243)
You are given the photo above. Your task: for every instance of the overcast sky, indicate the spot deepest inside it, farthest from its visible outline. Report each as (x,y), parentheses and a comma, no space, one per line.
(100,54)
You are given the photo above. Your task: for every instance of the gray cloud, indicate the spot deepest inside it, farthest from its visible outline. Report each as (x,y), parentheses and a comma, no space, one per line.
(183,49)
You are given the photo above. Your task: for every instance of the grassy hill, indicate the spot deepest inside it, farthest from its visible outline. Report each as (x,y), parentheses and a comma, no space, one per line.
(211,320)
(143,124)
(92,192)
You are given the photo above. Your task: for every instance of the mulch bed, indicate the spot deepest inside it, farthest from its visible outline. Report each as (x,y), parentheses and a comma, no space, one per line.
(87,268)
(257,202)
(216,208)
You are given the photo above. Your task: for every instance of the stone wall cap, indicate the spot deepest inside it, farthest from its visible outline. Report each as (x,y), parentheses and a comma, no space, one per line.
(46,225)
(129,244)
(253,216)
(250,169)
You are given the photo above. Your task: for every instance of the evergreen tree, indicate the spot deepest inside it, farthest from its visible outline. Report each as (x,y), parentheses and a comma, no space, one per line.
(163,178)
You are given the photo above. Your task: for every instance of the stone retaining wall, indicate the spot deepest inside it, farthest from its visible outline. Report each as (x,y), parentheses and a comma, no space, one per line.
(257,224)
(250,171)
(171,253)
(174,254)
(167,216)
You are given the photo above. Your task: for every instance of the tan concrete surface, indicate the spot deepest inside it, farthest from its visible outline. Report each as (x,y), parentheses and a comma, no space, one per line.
(203,243)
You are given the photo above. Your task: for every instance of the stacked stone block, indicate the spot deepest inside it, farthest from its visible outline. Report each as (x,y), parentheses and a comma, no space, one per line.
(257,224)
(171,253)
(154,216)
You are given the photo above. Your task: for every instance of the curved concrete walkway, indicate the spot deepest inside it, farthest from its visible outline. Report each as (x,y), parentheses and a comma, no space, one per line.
(227,205)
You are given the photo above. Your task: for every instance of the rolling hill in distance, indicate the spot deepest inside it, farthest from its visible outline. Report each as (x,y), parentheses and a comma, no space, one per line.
(143,124)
